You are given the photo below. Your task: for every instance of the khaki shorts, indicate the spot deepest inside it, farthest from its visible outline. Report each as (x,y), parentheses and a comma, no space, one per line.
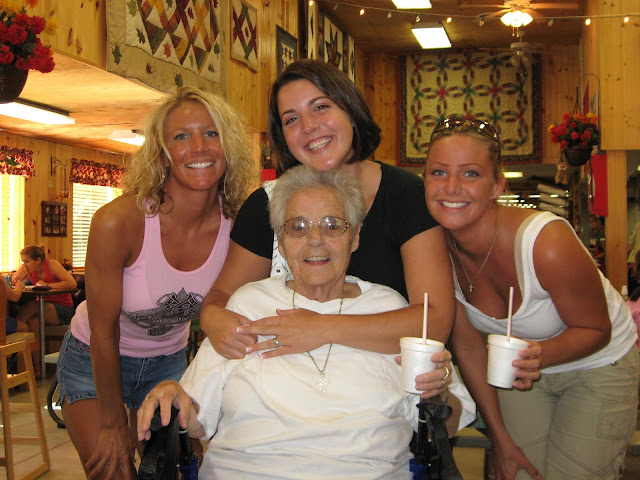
(576,425)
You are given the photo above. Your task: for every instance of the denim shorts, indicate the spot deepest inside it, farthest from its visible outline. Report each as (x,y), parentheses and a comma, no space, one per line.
(139,375)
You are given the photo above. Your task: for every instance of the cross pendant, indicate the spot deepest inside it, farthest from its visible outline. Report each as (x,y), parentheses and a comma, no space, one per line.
(470,287)
(323,382)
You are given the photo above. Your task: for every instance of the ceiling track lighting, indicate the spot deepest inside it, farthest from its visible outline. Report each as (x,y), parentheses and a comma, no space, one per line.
(550,22)
(626,19)
(362,11)
(449,19)
(587,22)
(389,14)
(418,19)
(481,22)
(335,7)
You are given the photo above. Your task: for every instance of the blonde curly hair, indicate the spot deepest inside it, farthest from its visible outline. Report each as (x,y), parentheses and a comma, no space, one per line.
(147,175)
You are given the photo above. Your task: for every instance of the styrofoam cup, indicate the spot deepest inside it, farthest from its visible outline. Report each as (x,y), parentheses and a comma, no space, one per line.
(416,360)
(502,353)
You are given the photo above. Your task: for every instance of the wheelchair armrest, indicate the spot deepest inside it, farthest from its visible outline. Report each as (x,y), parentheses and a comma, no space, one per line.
(432,443)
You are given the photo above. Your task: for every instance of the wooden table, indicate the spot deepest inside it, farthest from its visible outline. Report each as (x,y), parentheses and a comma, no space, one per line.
(40,295)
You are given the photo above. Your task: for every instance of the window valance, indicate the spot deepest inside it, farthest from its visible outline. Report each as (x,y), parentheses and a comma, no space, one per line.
(22,156)
(94,173)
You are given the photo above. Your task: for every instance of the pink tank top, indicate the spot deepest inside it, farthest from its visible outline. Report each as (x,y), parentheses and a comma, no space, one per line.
(159,301)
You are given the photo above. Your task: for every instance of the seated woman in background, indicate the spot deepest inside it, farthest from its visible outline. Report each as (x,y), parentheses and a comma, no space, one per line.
(334,412)
(45,271)
(12,325)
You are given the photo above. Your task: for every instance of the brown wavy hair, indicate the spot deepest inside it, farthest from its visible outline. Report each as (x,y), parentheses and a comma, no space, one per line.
(147,175)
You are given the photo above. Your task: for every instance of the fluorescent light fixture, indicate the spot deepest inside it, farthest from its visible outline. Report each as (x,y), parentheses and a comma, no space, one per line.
(408,4)
(431,35)
(513,175)
(33,113)
(127,136)
(516,18)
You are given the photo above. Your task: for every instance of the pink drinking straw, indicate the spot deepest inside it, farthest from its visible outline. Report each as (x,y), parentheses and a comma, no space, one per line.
(424,319)
(510,314)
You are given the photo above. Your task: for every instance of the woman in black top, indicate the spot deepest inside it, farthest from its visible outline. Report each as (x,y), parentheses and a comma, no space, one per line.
(318,117)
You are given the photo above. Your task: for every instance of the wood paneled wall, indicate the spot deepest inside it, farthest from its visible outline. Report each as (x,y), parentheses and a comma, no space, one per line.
(46,187)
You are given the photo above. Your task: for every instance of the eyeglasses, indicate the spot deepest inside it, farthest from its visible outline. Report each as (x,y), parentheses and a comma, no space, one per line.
(329,226)
(479,126)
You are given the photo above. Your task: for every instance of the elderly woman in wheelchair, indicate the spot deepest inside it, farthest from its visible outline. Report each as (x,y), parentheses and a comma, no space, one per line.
(334,412)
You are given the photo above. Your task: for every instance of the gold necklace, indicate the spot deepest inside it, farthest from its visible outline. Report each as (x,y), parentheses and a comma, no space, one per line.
(323,382)
(455,245)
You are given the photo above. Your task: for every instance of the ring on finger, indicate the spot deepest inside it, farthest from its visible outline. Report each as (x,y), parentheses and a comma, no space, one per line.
(276,342)
(448,372)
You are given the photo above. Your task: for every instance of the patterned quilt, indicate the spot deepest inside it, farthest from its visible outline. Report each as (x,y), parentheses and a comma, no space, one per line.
(169,43)
(476,85)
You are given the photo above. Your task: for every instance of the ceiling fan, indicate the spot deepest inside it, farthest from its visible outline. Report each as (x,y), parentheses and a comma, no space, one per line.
(518,53)
(525,6)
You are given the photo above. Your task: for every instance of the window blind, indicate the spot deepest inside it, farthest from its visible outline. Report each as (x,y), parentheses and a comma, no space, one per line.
(12,221)
(86,200)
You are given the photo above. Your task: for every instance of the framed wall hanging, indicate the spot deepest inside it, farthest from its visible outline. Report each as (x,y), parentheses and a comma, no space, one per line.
(54,219)
(286,48)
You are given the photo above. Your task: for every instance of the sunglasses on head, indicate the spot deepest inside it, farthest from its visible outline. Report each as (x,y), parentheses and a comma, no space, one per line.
(479,126)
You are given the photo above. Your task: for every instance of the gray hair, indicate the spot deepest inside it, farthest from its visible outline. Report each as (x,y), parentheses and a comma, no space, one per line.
(302,177)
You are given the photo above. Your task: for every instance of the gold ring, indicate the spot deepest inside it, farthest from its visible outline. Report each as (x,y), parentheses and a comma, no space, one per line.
(446,375)
(276,342)
(152,396)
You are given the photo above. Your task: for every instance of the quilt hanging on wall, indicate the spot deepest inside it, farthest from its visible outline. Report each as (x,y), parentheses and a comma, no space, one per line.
(244,24)
(473,85)
(168,43)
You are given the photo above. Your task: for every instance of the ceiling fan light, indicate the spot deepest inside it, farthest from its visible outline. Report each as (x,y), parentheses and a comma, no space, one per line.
(516,18)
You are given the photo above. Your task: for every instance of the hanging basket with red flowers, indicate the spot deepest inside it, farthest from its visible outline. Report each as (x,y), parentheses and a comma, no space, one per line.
(576,134)
(21,49)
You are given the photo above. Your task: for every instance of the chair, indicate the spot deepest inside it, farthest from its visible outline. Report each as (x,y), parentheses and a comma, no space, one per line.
(18,343)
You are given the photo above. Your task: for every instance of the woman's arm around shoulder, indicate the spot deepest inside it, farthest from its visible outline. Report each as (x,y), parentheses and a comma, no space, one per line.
(565,270)
(240,267)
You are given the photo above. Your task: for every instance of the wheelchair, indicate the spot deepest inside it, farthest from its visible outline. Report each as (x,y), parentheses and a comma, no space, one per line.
(169,449)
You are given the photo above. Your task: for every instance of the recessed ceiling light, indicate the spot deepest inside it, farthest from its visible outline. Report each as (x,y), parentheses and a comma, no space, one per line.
(407,4)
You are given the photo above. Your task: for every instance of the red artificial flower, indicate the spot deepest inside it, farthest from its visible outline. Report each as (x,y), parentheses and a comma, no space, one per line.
(37,24)
(574,135)
(566,117)
(6,56)
(16,34)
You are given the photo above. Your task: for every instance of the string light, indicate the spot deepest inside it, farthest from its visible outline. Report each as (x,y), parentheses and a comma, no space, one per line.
(481,19)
